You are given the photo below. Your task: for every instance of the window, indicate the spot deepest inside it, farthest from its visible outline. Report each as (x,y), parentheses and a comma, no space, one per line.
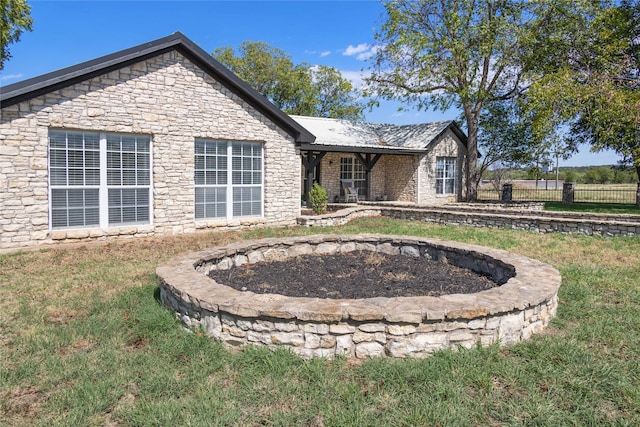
(351,168)
(128,178)
(211,179)
(228,179)
(99,179)
(445,175)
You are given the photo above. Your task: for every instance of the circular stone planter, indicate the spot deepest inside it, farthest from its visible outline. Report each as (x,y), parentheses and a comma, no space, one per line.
(395,327)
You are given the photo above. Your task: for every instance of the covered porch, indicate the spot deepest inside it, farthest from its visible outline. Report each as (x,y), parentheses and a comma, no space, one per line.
(418,164)
(375,174)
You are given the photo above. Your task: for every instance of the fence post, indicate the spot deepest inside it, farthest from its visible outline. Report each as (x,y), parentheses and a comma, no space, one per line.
(567,192)
(507,193)
(638,195)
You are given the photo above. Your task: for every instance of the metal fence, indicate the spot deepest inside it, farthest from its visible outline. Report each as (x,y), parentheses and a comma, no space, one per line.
(604,194)
(522,195)
(585,193)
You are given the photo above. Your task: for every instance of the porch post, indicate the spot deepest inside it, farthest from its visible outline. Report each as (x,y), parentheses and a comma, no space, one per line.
(310,162)
(368,163)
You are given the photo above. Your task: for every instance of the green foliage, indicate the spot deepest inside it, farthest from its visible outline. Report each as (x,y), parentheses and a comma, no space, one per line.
(568,176)
(318,198)
(505,138)
(15,18)
(612,174)
(442,54)
(301,89)
(598,175)
(588,77)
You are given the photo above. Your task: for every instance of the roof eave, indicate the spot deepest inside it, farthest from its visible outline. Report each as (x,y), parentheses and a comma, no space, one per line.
(30,88)
(363,150)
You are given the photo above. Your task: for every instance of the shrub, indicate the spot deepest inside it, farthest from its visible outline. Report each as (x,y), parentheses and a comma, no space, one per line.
(318,198)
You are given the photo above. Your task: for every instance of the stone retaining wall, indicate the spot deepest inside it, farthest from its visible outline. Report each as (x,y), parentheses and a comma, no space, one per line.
(494,217)
(394,327)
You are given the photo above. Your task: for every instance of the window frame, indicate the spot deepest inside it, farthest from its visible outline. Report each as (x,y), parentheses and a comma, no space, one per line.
(244,178)
(351,168)
(446,176)
(143,204)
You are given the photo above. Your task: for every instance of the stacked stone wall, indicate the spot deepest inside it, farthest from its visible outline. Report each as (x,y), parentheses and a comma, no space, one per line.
(395,327)
(490,217)
(401,183)
(166,97)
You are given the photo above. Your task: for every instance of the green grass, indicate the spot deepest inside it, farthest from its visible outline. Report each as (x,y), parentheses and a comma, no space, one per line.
(84,341)
(602,208)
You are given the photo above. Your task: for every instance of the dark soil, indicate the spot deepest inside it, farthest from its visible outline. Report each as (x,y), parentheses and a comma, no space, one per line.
(353,275)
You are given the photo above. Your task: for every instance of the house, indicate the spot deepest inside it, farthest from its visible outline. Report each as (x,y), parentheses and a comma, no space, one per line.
(158,138)
(163,139)
(421,164)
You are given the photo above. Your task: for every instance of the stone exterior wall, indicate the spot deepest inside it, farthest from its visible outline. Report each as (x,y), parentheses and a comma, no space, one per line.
(401,182)
(374,327)
(166,97)
(447,146)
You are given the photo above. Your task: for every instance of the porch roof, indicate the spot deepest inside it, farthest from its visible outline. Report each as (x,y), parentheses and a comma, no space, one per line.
(347,136)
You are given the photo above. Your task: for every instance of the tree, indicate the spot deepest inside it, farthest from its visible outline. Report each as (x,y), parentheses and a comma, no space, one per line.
(452,53)
(504,137)
(598,175)
(590,78)
(334,95)
(15,19)
(301,89)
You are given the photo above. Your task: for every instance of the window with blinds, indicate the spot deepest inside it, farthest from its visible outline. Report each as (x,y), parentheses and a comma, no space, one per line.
(128,178)
(99,179)
(211,179)
(228,179)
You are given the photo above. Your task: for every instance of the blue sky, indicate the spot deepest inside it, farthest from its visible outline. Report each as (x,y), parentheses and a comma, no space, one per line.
(334,33)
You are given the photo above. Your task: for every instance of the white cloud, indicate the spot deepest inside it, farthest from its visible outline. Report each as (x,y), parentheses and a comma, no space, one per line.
(11,77)
(325,53)
(362,52)
(354,50)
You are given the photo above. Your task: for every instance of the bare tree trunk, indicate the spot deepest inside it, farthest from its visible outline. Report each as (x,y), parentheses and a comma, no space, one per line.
(472,154)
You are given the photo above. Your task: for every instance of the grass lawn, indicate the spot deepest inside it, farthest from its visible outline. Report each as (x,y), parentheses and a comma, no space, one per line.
(603,208)
(84,342)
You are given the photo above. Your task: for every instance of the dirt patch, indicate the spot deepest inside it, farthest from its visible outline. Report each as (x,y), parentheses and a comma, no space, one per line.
(354,275)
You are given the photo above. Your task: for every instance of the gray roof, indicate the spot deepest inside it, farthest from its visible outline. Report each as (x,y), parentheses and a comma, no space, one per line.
(31,88)
(349,136)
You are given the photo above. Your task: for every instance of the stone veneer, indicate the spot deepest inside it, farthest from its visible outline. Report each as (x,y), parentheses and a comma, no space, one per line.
(166,97)
(447,146)
(395,327)
(529,218)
